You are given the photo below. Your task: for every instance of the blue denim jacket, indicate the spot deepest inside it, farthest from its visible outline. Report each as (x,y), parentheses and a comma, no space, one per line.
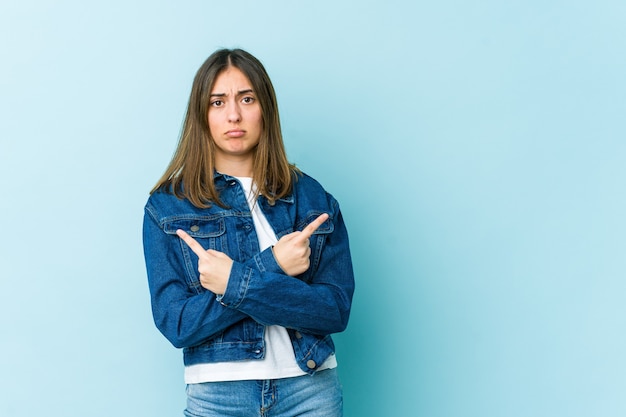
(230,327)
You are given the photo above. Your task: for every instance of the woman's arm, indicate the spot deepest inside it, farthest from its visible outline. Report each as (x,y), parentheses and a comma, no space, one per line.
(185,317)
(317,301)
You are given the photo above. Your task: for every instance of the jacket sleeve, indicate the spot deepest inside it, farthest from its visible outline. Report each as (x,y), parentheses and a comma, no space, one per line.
(317,302)
(184,316)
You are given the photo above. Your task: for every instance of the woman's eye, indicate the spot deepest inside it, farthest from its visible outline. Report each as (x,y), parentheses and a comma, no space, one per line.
(217,103)
(248,100)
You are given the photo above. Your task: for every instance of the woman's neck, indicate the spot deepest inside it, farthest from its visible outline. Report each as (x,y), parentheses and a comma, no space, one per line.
(234,168)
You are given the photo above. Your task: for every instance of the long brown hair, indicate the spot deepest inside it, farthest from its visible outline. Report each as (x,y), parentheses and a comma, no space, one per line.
(190,172)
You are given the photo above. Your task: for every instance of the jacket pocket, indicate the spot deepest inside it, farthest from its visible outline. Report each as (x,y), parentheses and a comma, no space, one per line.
(198,228)
(325,228)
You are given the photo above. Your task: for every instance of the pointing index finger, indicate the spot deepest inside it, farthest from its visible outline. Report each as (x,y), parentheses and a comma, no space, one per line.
(314,225)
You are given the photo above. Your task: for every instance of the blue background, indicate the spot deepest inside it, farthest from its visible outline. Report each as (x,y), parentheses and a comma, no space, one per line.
(477,149)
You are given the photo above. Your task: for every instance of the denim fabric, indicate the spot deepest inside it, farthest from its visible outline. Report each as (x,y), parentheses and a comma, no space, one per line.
(230,327)
(319,395)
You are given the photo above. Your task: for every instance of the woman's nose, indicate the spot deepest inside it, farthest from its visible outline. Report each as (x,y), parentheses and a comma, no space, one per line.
(234,114)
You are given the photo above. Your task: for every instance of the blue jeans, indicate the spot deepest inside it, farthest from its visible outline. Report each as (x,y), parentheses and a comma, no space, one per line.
(319,395)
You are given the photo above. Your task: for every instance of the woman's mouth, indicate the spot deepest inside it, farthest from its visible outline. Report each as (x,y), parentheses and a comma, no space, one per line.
(235,133)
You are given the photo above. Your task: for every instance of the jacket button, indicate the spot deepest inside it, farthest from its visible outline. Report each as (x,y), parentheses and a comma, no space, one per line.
(298,335)
(195,228)
(311,364)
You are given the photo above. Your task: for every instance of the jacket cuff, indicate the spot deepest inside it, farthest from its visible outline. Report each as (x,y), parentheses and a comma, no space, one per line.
(241,274)
(266,262)
(238,283)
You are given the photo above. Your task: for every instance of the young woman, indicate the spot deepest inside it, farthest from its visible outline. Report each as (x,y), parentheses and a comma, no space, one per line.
(248,259)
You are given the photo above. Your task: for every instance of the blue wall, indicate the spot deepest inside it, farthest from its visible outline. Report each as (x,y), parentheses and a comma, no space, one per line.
(477,148)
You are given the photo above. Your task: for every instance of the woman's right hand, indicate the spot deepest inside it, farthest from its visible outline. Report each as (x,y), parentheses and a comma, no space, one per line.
(292,251)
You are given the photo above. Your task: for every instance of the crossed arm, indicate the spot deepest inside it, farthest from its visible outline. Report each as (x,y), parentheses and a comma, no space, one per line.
(187,318)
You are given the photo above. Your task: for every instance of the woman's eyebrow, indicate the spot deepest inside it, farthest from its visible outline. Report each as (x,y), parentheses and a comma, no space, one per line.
(247,91)
(239,93)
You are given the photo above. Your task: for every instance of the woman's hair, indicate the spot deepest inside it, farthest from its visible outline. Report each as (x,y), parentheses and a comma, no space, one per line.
(190,172)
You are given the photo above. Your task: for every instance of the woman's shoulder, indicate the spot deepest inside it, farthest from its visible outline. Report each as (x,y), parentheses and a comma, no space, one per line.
(306,184)
(308,188)
(163,203)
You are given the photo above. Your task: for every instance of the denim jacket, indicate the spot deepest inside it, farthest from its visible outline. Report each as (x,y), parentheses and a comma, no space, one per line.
(231,326)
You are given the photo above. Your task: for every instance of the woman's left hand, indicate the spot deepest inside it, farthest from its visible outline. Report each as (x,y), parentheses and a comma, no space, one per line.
(214,266)
(292,251)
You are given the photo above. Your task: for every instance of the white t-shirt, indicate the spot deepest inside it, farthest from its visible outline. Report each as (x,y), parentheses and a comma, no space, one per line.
(279,360)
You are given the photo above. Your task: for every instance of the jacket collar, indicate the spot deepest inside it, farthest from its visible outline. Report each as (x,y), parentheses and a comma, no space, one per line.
(227,178)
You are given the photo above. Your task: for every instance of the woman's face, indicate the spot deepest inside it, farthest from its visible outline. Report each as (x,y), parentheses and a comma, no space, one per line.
(235,119)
